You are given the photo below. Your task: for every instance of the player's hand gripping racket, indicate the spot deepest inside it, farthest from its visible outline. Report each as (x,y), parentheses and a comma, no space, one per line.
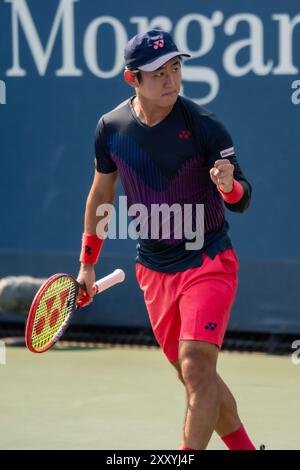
(53,306)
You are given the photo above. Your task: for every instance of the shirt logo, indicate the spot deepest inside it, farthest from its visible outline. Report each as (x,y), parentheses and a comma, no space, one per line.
(227,152)
(184,135)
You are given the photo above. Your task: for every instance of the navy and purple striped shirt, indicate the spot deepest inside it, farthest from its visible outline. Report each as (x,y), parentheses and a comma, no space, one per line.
(169,163)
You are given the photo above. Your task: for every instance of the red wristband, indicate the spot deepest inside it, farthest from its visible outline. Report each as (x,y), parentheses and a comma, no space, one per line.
(235,194)
(91,247)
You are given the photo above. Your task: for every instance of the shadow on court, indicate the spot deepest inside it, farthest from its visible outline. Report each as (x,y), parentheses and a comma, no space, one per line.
(130,398)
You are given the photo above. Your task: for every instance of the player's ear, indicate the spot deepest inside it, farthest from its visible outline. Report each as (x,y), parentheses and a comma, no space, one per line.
(130,78)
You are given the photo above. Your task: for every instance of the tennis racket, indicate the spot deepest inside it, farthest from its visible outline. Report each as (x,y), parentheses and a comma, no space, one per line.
(54,305)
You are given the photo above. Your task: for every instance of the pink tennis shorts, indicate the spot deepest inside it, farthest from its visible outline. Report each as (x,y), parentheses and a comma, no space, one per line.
(194,304)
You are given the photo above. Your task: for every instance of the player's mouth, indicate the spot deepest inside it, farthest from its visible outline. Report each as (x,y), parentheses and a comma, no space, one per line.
(170,93)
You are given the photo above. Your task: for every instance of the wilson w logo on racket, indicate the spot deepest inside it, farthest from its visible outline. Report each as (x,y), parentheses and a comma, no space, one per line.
(54,305)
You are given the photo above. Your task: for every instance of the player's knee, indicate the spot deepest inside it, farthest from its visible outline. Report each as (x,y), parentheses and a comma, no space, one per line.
(197,369)
(196,375)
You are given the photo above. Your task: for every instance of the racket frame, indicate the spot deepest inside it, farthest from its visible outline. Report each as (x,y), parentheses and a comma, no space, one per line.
(108,281)
(34,306)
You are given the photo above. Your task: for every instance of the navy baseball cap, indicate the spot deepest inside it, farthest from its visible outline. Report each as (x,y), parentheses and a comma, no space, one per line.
(150,50)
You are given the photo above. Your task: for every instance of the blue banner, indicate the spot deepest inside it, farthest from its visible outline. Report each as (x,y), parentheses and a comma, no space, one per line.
(61,68)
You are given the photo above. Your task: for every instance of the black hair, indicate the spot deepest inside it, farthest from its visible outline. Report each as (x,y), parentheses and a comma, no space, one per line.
(138,76)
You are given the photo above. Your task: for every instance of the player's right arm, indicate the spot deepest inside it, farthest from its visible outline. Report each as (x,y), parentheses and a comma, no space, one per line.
(225,170)
(102,191)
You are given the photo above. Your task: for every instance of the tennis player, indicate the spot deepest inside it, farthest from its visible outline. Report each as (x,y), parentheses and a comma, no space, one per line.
(169,150)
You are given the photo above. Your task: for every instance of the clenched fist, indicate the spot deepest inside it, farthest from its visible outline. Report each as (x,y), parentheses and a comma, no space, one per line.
(222,175)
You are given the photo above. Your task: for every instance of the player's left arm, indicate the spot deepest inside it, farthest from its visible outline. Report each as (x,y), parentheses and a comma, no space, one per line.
(225,171)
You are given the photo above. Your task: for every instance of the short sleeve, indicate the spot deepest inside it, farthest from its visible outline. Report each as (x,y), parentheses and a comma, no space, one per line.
(103,160)
(219,144)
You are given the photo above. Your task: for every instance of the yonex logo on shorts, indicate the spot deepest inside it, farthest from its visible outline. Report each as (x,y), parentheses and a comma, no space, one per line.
(211,326)
(227,152)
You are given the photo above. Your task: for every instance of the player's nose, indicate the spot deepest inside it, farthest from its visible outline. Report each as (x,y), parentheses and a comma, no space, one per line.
(169,80)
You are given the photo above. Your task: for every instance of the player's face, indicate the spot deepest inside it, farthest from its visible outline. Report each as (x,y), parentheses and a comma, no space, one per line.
(163,85)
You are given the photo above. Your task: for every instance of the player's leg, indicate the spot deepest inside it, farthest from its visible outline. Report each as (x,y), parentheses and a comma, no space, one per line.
(164,293)
(228,420)
(207,295)
(208,409)
(198,368)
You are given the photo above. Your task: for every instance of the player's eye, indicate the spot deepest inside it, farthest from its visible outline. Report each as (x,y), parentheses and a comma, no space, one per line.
(159,74)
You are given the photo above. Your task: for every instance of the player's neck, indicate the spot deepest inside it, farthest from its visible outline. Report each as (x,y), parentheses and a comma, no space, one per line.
(149,113)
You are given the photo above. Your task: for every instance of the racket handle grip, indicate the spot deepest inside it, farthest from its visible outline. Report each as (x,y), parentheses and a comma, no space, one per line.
(108,281)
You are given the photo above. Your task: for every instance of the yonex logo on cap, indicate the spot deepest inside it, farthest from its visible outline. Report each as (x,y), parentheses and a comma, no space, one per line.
(158,44)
